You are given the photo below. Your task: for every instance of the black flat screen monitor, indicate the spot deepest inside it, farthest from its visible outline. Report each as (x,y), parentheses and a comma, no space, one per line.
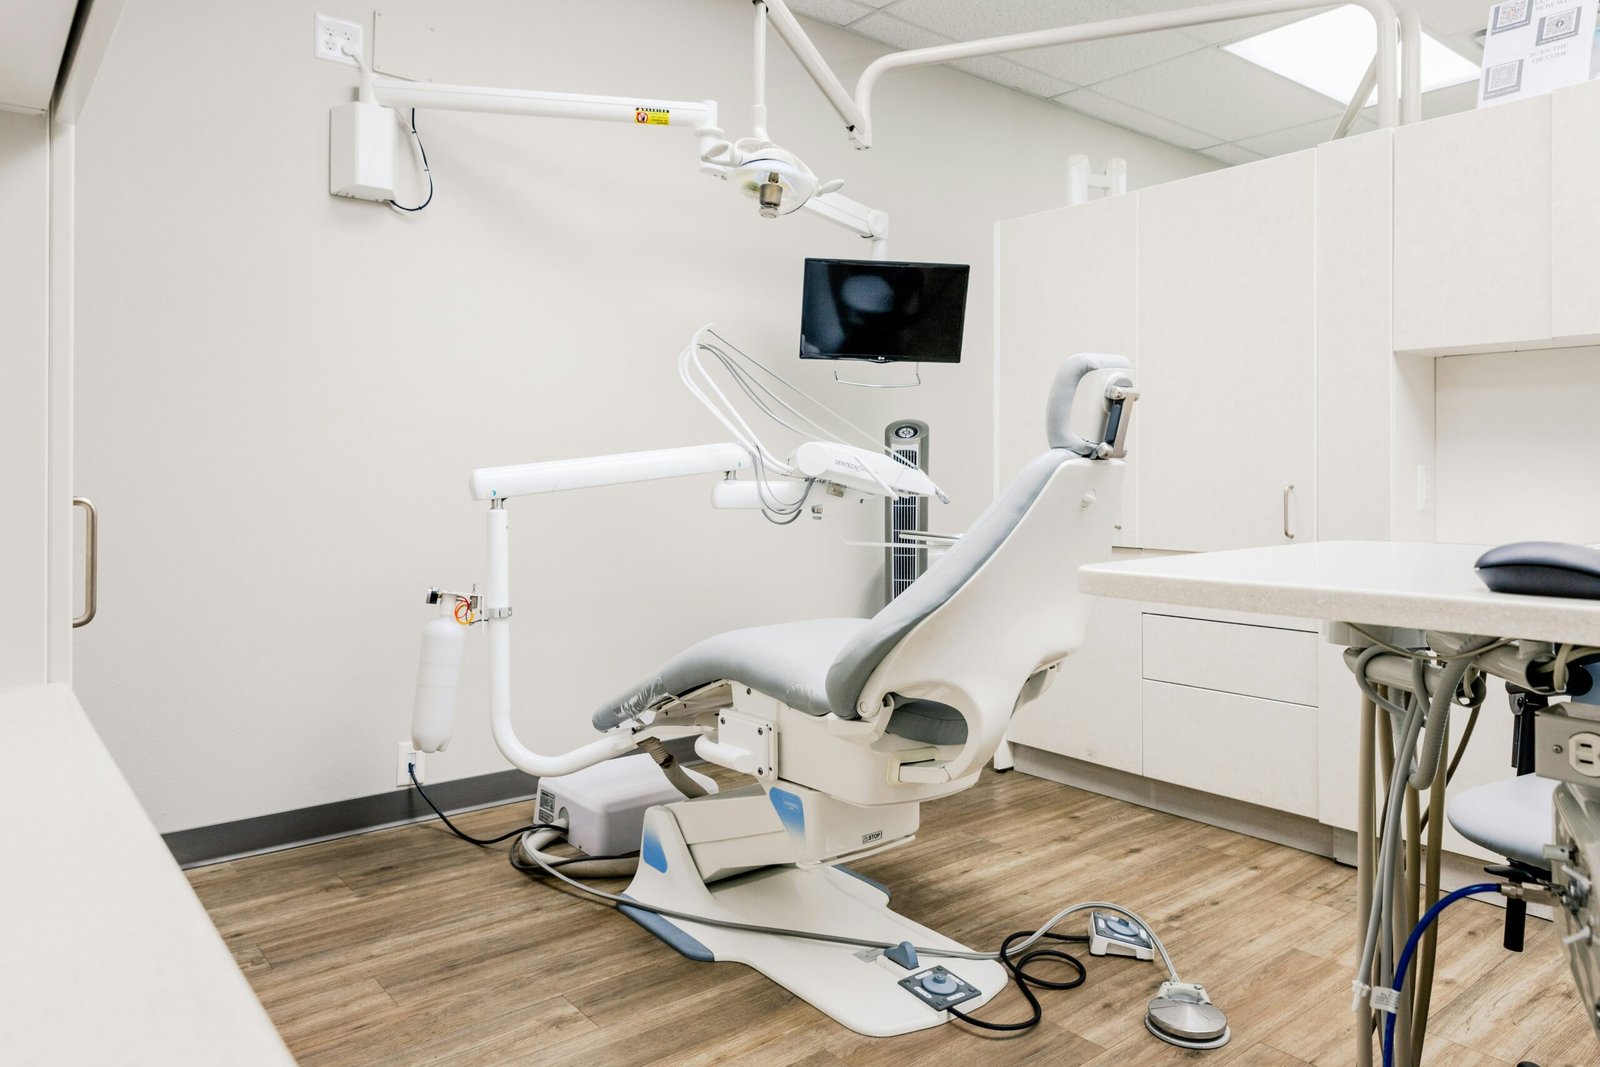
(884,312)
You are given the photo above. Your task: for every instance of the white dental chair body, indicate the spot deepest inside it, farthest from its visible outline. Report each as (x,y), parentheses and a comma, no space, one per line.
(848,725)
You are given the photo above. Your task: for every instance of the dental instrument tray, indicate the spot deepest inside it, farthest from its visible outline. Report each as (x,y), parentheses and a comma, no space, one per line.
(1542,568)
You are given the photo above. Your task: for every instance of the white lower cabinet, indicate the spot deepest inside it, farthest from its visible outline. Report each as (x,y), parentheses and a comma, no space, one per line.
(1259,751)
(1230,708)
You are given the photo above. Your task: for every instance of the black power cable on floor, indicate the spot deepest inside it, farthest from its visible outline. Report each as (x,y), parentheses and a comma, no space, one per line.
(1026,982)
(411,769)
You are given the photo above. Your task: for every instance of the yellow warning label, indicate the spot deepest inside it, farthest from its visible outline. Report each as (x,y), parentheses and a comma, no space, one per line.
(652,116)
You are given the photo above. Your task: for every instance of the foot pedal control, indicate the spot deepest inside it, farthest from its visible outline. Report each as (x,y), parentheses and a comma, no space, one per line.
(939,989)
(1113,935)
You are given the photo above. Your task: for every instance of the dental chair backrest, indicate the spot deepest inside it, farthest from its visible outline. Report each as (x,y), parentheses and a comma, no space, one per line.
(1003,603)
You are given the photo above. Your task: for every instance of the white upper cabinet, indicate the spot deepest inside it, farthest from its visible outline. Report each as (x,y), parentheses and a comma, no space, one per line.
(1472,230)
(1575,212)
(1065,283)
(1227,358)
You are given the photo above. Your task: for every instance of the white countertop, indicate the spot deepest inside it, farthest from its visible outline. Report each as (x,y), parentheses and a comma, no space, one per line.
(1380,583)
(106,954)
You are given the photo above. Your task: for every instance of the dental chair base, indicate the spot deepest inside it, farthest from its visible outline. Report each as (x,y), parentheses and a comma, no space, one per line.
(862,989)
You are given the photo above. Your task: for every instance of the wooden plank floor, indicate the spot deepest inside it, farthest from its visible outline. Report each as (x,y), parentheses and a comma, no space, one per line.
(409,946)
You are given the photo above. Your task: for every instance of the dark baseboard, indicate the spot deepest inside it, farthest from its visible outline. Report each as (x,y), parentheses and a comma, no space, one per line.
(304,826)
(285,829)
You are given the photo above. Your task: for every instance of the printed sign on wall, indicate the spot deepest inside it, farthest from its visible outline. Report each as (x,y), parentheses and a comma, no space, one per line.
(1534,46)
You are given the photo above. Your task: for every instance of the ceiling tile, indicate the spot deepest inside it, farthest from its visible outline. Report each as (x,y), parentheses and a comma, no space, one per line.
(1446,18)
(838,12)
(1296,138)
(1219,32)
(1078,64)
(890,30)
(1091,103)
(965,20)
(1446,101)
(1095,61)
(1230,154)
(1220,94)
(1015,76)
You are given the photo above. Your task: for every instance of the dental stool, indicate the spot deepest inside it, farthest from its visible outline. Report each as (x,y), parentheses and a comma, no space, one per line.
(1512,818)
(847,725)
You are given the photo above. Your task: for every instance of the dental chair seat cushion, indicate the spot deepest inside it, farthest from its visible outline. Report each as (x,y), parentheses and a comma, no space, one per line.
(1511,818)
(788,662)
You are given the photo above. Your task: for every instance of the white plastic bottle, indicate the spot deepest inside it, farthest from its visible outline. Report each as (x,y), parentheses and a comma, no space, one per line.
(444,641)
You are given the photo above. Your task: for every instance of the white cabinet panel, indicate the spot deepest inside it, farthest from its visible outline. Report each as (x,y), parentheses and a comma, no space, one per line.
(1365,423)
(1065,282)
(1091,711)
(24,397)
(1227,358)
(1262,661)
(1575,210)
(1259,751)
(1472,229)
(1542,404)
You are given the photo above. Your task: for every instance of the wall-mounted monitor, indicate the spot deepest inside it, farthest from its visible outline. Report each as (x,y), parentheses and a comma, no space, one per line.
(882,311)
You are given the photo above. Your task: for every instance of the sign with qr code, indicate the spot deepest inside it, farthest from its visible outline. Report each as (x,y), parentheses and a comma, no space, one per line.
(1534,46)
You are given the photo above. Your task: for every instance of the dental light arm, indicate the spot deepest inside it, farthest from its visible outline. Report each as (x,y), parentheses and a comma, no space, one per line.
(778,179)
(856,110)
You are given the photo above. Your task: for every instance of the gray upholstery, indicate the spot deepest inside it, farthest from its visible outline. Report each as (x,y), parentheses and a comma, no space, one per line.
(1512,818)
(788,662)
(821,666)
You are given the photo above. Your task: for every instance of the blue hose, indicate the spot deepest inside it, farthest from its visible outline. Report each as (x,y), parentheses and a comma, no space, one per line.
(1411,946)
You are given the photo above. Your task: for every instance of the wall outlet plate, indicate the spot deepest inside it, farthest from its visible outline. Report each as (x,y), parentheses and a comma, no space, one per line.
(407,755)
(333,35)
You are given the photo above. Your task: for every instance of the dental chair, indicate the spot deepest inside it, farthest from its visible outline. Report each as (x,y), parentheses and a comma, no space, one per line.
(849,725)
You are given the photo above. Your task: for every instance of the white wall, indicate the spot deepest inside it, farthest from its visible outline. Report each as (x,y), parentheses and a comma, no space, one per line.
(24,370)
(1518,437)
(281,393)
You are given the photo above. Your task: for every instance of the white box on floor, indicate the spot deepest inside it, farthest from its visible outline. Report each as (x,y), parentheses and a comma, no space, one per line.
(604,805)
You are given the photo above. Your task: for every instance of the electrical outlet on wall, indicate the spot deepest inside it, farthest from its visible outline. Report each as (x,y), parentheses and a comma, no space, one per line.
(333,36)
(1424,488)
(409,757)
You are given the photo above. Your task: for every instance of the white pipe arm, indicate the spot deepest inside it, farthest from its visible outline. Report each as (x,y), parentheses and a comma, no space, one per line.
(1410,77)
(853,215)
(1410,66)
(497,609)
(588,472)
(857,111)
(694,114)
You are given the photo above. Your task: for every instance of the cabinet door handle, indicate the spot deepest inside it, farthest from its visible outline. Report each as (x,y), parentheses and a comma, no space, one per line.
(1286,531)
(91,561)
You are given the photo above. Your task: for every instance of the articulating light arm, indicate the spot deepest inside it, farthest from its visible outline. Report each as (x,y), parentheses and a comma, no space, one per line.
(856,111)
(718,156)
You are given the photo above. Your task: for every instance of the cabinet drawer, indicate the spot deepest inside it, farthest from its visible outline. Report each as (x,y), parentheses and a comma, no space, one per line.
(1258,661)
(1259,751)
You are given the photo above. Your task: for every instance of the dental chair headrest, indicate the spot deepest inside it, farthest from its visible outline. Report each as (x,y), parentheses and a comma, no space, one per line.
(1059,425)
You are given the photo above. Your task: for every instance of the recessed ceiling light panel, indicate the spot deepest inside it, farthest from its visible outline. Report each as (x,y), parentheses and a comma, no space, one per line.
(1331,51)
